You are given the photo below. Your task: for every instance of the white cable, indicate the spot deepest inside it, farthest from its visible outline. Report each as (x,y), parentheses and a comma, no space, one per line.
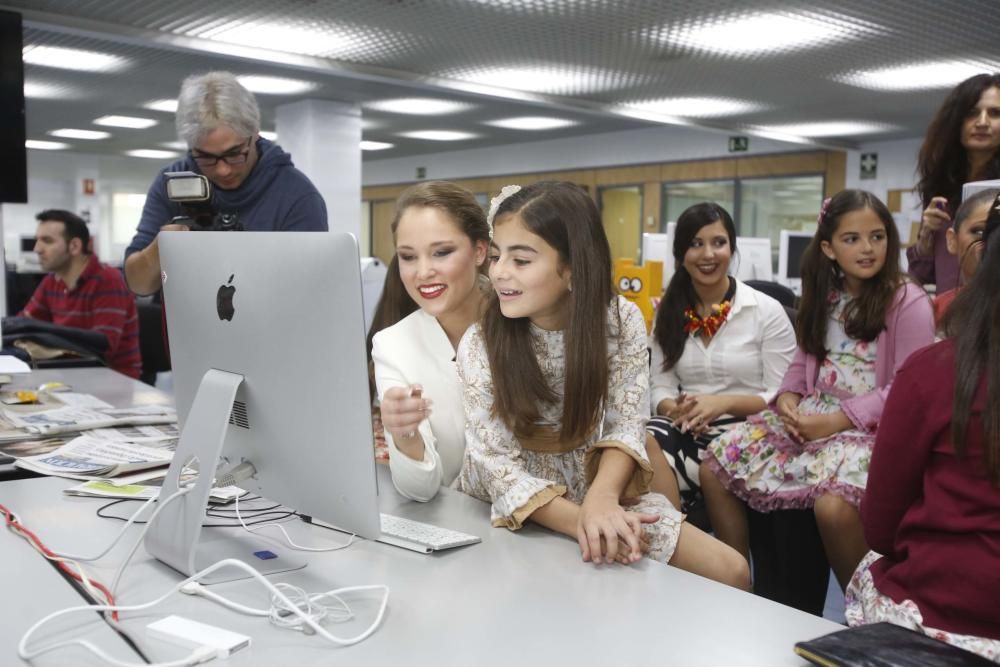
(135,547)
(118,537)
(288,539)
(282,615)
(201,654)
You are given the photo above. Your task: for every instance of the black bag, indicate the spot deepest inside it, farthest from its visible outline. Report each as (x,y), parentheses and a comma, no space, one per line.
(885,645)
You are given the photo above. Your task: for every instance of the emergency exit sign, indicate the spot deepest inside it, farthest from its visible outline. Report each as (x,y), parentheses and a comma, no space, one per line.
(739,144)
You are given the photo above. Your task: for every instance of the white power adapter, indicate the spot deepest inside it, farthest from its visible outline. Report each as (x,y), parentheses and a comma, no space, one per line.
(192,634)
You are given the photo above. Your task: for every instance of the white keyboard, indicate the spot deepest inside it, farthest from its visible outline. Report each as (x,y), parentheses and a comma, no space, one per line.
(422,537)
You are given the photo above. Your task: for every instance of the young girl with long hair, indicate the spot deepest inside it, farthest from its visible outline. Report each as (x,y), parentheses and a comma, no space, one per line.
(720,348)
(858,321)
(962,144)
(434,290)
(556,392)
(932,507)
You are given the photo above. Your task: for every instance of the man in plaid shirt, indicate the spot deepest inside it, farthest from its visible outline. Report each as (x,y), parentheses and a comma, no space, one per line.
(82,292)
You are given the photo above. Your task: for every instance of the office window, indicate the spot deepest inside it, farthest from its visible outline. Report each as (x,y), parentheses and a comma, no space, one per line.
(621,213)
(126,210)
(678,196)
(768,205)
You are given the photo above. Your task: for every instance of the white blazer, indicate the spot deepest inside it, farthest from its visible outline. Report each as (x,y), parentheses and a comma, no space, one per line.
(416,350)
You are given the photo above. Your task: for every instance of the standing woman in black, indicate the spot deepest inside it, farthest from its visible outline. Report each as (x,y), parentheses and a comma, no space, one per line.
(962,145)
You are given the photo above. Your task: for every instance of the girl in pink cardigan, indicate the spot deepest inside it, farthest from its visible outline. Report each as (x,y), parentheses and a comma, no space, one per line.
(858,321)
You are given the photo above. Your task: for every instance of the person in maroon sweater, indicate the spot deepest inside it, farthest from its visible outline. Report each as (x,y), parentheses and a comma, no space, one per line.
(965,241)
(82,292)
(932,505)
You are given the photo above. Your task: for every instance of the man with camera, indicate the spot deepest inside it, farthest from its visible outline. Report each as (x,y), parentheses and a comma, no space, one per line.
(231,179)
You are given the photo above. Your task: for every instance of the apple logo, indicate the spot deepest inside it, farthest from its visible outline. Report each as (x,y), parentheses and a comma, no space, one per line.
(224,300)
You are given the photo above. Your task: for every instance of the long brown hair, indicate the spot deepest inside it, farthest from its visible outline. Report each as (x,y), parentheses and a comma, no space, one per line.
(566,218)
(943,165)
(864,316)
(680,295)
(974,321)
(461,205)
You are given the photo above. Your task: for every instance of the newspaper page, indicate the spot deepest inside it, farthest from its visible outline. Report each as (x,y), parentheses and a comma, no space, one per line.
(89,457)
(71,419)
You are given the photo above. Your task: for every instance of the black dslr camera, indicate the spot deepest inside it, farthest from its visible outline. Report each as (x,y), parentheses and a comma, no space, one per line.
(194,193)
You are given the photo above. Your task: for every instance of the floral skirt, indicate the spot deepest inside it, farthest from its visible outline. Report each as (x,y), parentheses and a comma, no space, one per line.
(761,464)
(864,604)
(663,534)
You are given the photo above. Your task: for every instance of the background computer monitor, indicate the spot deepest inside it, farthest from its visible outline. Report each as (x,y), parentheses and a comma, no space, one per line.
(791,247)
(659,247)
(753,259)
(284,311)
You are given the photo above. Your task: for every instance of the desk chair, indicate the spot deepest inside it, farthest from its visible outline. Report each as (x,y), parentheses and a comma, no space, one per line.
(782,294)
(152,346)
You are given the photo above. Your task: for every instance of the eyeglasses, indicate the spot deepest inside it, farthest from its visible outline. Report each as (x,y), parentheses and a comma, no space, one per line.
(231,158)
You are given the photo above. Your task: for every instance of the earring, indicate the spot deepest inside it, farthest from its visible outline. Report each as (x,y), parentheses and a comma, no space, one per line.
(570,287)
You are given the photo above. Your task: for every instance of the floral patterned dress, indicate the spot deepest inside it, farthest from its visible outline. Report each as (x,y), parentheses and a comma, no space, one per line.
(520,477)
(865,604)
(760,463)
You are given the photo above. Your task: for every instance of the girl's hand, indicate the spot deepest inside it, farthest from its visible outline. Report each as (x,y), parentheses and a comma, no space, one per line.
(606,532)
(703,410)
(806,428)
(787,405)
(403,408)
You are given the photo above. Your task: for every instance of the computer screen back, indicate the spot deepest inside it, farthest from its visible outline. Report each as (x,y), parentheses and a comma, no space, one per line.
(284,310)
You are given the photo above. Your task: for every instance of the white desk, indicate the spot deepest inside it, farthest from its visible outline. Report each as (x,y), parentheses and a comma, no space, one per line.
(517,598)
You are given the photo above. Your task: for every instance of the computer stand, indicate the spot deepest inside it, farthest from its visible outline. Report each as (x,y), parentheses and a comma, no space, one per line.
(175,536)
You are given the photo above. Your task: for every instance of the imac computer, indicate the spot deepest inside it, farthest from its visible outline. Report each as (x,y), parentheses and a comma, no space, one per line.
(753,258)
(791,247)
(267,342)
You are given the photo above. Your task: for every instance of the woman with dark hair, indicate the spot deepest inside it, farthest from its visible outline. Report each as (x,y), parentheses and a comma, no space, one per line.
(858,321)
(962,145)
(434,289)
(932,508)
(721,348)
(556,392)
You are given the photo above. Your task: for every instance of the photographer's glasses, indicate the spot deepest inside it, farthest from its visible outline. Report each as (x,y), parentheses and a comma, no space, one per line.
(237,156)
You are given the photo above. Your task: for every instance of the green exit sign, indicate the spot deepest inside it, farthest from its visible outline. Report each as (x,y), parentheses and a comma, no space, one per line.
(739,144)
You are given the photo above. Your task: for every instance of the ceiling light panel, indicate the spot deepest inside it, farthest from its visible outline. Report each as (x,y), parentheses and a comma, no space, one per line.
(175,145)
(167,106)
(46,91)
(375,145)
(45,145)
(439,135)
(697,107)
(418,106)
(843,128)
(532,123)
(131,122)
(572,80)
(274,85)
(152,154)
(270,136)
(288,38)
(74,59)
(762,33)
(90,135)
(916,76)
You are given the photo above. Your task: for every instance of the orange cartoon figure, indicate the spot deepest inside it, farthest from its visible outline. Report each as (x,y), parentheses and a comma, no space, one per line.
(642,285)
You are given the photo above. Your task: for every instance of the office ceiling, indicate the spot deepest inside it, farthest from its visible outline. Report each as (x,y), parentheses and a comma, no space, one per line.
(593,62)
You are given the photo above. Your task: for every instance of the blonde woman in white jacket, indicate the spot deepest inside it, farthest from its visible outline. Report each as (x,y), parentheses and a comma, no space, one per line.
(433,293)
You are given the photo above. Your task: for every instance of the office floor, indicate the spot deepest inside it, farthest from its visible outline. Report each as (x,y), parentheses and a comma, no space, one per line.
(834,609)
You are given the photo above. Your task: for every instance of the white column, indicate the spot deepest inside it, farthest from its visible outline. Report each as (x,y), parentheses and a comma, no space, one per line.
(324,139)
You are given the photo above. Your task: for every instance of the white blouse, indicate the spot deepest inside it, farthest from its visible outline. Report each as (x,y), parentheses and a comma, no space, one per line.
(748,355)
(416,350)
